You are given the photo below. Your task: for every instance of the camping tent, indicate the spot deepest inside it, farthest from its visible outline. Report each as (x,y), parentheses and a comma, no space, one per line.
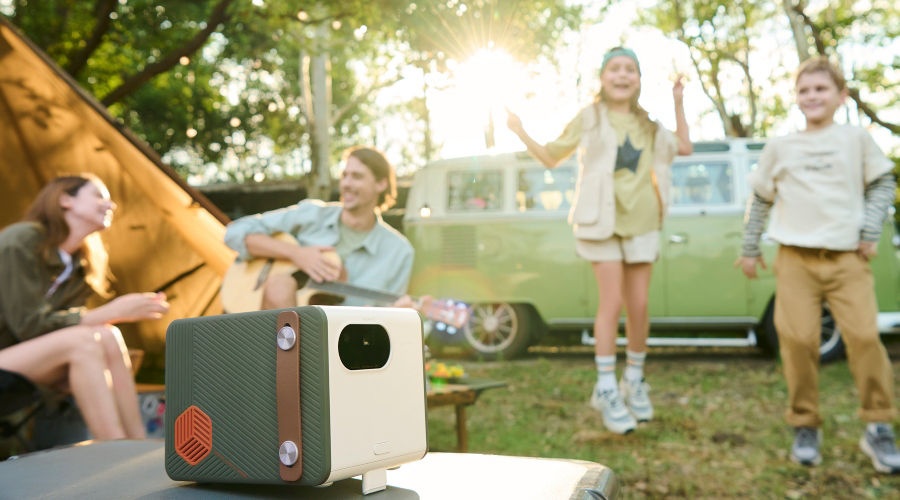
(164,236)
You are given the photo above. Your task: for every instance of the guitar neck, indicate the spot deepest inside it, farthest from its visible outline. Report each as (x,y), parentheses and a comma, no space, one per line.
(339,288)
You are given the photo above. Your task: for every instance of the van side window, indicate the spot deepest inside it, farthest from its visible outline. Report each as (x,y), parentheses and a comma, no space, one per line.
(702,183)
(543,190)
(474,191)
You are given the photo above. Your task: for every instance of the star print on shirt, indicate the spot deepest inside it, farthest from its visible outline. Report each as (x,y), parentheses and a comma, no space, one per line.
(627,156)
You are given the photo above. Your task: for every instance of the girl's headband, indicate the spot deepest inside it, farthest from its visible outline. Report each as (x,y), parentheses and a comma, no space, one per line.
(620,51)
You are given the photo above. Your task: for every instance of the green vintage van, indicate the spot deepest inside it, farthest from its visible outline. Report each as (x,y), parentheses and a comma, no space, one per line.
(492,231)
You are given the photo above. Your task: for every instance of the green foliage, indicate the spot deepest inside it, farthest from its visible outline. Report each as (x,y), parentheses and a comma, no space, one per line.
(852,32)
(140,33)
(456,29)
(724,40)
(236,106)
(721,37)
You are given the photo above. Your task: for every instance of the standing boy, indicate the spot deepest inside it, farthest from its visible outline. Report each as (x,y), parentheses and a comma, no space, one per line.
(829,188)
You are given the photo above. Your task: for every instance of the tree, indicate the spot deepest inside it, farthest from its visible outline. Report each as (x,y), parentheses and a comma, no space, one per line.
(274,87)
(423,34)
(197,107)
(848,23)
(309,45)
(140,58)
(338,55)
(721,36)
(316,83)
(440,31)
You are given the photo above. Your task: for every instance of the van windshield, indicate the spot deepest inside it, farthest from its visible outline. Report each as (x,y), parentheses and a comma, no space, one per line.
(702,183)
(474,190)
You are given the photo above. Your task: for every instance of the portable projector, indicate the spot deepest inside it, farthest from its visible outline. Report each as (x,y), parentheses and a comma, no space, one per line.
(307,395)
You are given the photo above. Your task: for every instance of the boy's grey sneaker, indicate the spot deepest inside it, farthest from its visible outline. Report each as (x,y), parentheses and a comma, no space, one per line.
(805,449)
(879,445)
(637,398)
(616,417)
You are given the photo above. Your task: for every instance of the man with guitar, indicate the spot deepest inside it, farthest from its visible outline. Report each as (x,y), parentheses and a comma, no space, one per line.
(330,241)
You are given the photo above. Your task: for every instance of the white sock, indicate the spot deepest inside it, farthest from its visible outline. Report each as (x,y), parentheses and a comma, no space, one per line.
(634,370)
(871,426)
(606,372)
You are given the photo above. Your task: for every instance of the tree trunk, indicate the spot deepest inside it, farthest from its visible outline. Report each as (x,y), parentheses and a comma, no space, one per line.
(321,116)
(102,11)
(426,116)
(798,28)
(863,106)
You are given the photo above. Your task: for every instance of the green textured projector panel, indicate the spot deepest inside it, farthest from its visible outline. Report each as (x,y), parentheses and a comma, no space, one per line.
(225,365)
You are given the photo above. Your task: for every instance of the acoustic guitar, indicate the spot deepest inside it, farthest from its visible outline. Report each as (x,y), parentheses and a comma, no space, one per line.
(242,290)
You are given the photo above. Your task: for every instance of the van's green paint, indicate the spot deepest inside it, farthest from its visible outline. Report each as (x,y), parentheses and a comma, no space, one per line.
(491,249)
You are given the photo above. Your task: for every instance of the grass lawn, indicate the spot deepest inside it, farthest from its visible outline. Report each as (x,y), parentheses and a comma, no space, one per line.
(718,430)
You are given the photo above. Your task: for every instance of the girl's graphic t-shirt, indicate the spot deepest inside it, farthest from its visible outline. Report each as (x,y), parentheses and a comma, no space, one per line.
(637,205)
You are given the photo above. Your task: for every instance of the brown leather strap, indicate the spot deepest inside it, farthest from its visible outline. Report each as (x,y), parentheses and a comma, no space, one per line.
(287,393)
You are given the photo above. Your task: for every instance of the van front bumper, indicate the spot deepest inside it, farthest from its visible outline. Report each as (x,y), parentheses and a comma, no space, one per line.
(889,322)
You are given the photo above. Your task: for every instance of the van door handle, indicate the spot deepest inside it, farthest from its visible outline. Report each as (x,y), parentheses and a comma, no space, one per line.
(678,238)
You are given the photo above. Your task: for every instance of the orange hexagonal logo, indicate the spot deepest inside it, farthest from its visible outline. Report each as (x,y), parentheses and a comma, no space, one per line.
(193,435)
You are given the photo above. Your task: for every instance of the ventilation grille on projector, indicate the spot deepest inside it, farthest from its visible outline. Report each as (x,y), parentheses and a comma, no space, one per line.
(193,435)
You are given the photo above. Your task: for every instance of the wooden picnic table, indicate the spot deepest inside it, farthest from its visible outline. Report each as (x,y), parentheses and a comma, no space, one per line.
(460,395)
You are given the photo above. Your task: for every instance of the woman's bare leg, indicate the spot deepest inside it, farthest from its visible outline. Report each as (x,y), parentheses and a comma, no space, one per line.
(636,292)
(75,355)
(609,275)
(124,392)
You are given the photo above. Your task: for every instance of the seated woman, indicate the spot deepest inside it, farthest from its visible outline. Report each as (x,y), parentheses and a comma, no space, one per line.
(49,264)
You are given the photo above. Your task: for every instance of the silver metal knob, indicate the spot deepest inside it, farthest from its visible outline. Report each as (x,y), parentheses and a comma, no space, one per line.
(286,338)
(288,453)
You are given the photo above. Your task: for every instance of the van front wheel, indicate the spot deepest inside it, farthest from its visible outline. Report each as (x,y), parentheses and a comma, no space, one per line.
(499,330)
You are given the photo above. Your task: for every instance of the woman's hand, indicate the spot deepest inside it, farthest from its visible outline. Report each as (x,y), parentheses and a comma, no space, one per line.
(138,306)
(128,308)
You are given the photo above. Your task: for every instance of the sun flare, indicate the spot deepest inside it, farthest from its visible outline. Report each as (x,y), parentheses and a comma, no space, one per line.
(487,82)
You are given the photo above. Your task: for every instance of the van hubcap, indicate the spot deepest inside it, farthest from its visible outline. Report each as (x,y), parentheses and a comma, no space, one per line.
(492,328)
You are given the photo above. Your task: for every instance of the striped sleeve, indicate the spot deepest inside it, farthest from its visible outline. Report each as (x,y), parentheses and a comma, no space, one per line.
(754,225)
(880,194)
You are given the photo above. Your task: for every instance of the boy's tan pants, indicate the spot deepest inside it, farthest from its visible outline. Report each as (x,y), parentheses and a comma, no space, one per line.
(805,277)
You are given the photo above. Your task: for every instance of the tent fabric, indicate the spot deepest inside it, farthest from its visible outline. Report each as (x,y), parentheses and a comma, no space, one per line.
(165,235)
